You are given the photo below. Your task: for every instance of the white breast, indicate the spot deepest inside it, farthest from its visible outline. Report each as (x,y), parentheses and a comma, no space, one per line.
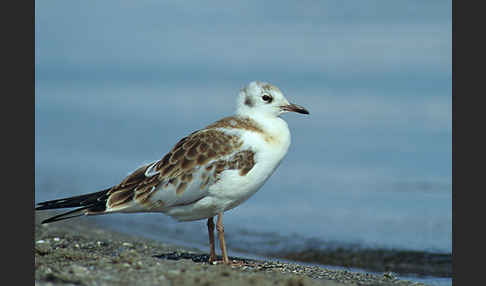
(232,189)
(270,149)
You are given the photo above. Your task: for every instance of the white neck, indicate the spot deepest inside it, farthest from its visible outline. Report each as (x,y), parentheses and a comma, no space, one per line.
(273,127)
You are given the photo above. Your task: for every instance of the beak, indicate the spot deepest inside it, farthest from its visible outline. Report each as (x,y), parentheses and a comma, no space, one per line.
(294,108)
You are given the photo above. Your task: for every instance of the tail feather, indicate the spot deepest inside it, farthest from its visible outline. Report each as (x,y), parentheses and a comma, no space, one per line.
(93,202)
(70,214)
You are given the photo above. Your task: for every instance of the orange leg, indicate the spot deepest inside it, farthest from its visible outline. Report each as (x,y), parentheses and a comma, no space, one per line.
(222,244)
(212,254)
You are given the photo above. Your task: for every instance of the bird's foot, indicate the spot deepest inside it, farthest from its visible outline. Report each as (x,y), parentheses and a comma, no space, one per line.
(215,261)
(230,262)
(212,259)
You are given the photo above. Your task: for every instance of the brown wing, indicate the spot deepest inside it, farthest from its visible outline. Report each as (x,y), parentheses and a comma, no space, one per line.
(127,190)
(176,167)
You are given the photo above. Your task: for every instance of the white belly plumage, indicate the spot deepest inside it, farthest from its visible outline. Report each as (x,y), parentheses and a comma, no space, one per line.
(232,188)
(230,191)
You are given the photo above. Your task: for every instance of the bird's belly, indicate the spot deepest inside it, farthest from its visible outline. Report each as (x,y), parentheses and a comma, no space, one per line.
(222,196)
(204,208)
(233,188)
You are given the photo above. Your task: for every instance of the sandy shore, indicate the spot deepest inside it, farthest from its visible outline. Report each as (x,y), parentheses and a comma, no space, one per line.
(78,252)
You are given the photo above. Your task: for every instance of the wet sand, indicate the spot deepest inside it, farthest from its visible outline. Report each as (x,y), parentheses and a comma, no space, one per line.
(79,252)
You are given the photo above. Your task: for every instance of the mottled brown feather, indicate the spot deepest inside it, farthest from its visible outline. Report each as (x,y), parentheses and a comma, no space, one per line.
(144,190)
(189,144)
(192,152)
(202,148)
(197,149)
(134,178)
(181,142)
(177,155)
(188,163)
(237,122)
(120,197)
(243,161)
(167,169)
(202,159)
(174,180)
(184,159)
(181,188)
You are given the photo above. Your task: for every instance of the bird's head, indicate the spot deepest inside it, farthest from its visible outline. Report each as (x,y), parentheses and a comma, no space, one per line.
(264,99)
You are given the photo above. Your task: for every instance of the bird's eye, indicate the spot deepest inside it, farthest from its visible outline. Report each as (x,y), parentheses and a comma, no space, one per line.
(267,98)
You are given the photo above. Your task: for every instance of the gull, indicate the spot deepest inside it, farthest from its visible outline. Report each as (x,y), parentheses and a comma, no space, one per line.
(206,173)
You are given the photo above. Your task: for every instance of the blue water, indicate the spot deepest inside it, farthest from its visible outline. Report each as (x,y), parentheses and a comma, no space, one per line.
(375,190)
(382,183)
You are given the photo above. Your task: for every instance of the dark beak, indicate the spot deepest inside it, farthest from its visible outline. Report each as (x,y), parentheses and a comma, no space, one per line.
(294,108)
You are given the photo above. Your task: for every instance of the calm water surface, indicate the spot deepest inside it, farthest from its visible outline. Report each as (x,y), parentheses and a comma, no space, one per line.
(383,183)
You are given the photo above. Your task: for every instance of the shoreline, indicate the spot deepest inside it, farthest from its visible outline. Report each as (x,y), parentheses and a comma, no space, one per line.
(310,251)
(82,253)
(404,262)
